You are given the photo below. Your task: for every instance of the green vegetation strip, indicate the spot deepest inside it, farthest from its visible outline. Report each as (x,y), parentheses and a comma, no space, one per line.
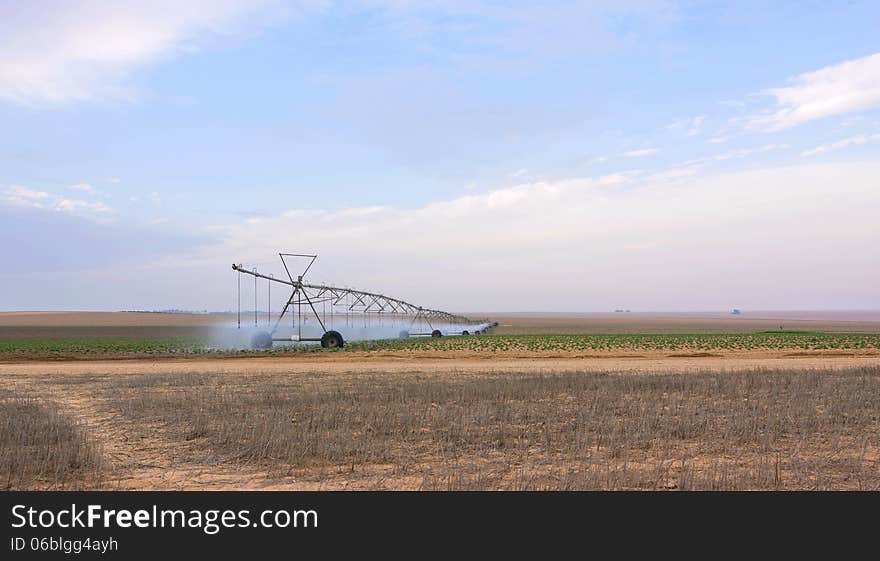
(626,342)
(96,347)
(586,343)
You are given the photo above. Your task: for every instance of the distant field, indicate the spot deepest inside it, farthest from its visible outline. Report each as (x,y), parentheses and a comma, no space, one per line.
(78,325)
(704,322)
(78,332)
(109,319)
(121,347)
(105,325)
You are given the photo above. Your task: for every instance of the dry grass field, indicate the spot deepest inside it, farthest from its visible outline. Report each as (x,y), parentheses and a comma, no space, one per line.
(39,445)
(748,429)
(750,411)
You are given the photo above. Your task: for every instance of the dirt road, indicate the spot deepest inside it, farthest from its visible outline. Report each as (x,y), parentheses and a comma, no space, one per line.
(455,362)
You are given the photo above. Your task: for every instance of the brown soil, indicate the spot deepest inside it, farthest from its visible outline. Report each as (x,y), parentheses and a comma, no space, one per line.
(116,319)
(450,361)
(844,321)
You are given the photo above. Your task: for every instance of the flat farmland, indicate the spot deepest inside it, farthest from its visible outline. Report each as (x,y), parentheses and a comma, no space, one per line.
(127,402)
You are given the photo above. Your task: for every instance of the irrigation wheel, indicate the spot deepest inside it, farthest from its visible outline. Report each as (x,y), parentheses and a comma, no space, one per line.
(332,340)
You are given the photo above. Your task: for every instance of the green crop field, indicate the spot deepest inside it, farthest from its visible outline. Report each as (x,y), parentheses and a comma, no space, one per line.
(100,347)
(631,342)
(122,347)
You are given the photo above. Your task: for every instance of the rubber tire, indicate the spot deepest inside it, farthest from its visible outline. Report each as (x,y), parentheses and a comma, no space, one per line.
(261,340)
(332,340)
(465,332)
(436,333)
(403,334)
(478,332)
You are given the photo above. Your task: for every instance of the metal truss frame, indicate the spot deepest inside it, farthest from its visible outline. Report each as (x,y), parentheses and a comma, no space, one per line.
(345,300)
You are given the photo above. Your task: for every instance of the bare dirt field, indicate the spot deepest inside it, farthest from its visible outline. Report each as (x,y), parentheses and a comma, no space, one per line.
(451,417)
(389,362)
(693,322)
(74,325)
(86,324)
(108,319)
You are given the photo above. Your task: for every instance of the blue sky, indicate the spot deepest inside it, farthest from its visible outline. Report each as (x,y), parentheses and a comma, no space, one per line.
(723,153)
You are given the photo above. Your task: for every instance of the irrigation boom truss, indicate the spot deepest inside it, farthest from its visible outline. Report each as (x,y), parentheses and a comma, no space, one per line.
(348,302)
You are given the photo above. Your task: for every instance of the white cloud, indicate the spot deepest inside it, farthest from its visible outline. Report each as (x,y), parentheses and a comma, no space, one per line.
(695,125)
(85,187)
(82,50)
(692,126)
(718,140)
(640,153)
(76,206)
(590,160)
(736,154)
(843,88)
(18,196)
(742,152)
(733,237)
(840,144)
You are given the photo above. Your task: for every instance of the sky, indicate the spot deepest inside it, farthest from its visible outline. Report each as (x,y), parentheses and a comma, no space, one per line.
(464,155)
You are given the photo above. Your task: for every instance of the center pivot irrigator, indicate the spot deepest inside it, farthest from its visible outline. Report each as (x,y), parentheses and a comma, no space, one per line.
(345,309)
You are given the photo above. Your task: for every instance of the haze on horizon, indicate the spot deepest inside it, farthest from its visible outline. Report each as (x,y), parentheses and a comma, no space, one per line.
(528,156)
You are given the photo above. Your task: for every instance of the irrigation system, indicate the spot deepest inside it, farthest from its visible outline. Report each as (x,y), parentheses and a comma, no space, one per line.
(338,310)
